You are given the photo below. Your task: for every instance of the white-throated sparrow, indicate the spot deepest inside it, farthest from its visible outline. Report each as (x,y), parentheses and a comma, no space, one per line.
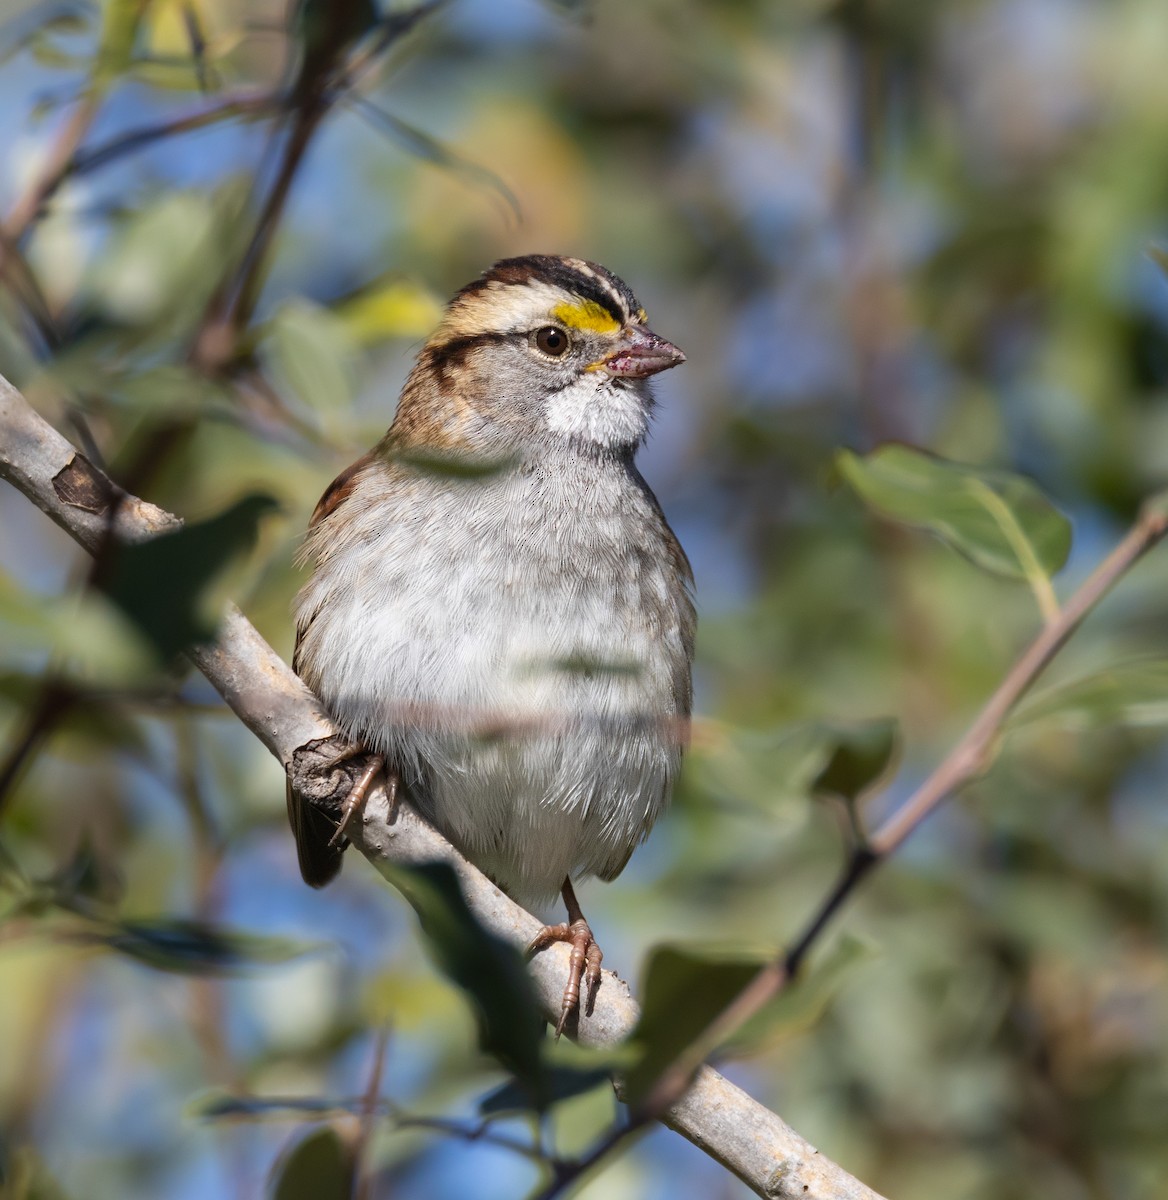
(498,610)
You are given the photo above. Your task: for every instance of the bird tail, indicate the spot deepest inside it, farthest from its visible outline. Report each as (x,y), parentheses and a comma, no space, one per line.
(319,861)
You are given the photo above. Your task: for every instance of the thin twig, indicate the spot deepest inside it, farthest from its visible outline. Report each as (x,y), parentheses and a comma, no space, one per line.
(566,1175)
(968,759)
(138,139)
(29,204)
(56,699)
(304,124)
(362,1178)
(27,291)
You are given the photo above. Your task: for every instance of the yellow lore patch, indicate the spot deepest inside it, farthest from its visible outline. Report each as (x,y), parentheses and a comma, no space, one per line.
(588,316)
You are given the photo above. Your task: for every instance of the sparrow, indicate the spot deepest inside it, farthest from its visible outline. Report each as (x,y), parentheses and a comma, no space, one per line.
(498,612)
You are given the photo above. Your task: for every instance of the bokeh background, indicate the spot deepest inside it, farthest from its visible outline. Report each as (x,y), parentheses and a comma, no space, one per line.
(864,221)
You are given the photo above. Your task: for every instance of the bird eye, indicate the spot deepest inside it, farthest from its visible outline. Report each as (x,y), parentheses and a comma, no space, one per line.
(551,340)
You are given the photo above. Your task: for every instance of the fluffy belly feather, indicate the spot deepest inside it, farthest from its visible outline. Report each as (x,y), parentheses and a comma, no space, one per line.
(529,700)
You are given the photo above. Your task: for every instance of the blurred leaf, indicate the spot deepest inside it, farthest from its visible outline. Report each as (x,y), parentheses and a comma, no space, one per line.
(93,720)
(36,24)
(488,970)
(90,640)
(318,1167)
(687,986)
(452,466)
(325,29)
(120,22)
(86,875)
(194,947)
(761,768)
(311,351)
(801,1005)
(161,584)
(584,665)
(175,390)
(163,260)
(423,146)
(23,1175)
(557,1083)
(216,1106)
(1001,522)
(860,756)
(180,75)
(589,666)
(568,1070)
(1133,693)
(395,308)
(48,54)
(767,768)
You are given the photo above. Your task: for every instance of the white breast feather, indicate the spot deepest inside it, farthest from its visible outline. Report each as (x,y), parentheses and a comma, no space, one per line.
(460,650)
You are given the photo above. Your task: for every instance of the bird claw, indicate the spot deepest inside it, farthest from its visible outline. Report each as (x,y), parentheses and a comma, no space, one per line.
(583,965)
(355,801)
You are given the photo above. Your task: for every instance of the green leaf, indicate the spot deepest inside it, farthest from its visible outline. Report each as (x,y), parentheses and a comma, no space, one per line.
(120,22)
(766,768)
(558,1083)
(173,389)
(391,308)
(162,584)
(89,640)
(801,1005)
(36,25)
(1132,693)
(180,75)
(318,1167)
(313,354)
(999,521)
(48,54)
(489,971)
(687,986)
(193,947)
(860,756)
(163,261)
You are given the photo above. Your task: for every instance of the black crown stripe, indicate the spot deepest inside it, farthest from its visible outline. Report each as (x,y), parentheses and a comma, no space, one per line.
(601,287)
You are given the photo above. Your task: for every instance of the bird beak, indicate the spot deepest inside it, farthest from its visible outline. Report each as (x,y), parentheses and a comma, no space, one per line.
(642,354)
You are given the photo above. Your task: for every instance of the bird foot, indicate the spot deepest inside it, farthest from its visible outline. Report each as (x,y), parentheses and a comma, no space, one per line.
(355,801)
(583,965)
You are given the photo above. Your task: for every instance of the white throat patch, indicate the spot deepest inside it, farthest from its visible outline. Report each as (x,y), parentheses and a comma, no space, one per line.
(595,409)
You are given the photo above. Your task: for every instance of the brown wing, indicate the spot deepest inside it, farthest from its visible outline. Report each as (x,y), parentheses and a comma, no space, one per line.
(340,489)
(312,829)
(319,862)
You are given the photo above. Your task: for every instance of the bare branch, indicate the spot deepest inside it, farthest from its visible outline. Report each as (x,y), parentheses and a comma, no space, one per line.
(719,1118)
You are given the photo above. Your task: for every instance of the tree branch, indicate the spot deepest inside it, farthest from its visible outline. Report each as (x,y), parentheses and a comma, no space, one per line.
(714,1114)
